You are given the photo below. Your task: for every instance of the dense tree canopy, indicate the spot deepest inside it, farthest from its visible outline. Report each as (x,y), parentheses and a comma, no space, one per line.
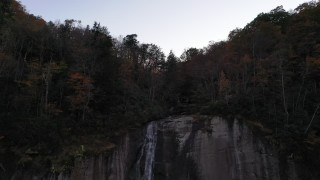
(62,79)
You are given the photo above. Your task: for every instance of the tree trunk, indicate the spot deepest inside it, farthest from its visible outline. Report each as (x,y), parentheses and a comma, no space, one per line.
(284,99)
(314,114)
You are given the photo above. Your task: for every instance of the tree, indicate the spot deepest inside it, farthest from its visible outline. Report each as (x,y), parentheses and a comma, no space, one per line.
(5,11)
(190,53)
(224,86)
(83,94)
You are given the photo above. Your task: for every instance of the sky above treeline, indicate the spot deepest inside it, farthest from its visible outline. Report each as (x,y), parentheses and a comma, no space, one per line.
(171,24)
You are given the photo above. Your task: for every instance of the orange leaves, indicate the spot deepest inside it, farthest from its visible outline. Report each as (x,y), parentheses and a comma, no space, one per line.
(224,83)
(82,86)
(313,66)
(313,62)
(79,80)
(246,59)
(37,23)
(53,109)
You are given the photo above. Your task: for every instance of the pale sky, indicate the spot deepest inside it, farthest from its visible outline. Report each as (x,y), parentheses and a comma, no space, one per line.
(171,24)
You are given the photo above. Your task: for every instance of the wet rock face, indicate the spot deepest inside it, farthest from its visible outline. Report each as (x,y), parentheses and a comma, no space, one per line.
(184,148)
(212,149)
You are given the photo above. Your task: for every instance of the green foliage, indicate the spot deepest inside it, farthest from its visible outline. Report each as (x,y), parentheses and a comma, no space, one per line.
(215,108)
(5,11)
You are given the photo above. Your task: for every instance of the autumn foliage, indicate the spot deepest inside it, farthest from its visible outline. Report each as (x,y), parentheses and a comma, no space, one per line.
(63,79)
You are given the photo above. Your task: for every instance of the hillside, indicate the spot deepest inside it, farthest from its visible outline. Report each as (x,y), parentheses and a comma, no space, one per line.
(66,86)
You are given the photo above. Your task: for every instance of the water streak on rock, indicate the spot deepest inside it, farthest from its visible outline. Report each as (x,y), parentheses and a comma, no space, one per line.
(183,148)
(150,148)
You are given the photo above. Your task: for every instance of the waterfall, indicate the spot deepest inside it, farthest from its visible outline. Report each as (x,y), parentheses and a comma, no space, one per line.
(182,148)
(150,149)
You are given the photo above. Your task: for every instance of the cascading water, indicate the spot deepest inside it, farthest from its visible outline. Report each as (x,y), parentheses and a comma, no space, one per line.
(150,148)
(144,164)
(183,148)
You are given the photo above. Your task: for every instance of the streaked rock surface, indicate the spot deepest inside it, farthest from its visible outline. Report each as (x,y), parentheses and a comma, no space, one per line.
(184,148)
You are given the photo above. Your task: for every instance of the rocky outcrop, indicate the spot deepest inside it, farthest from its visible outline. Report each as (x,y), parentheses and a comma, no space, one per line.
(184,148)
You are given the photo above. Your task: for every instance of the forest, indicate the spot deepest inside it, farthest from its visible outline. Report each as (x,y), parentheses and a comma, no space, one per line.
(68,88)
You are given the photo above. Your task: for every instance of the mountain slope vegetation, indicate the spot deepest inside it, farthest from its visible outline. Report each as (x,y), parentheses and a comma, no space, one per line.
(63,83)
